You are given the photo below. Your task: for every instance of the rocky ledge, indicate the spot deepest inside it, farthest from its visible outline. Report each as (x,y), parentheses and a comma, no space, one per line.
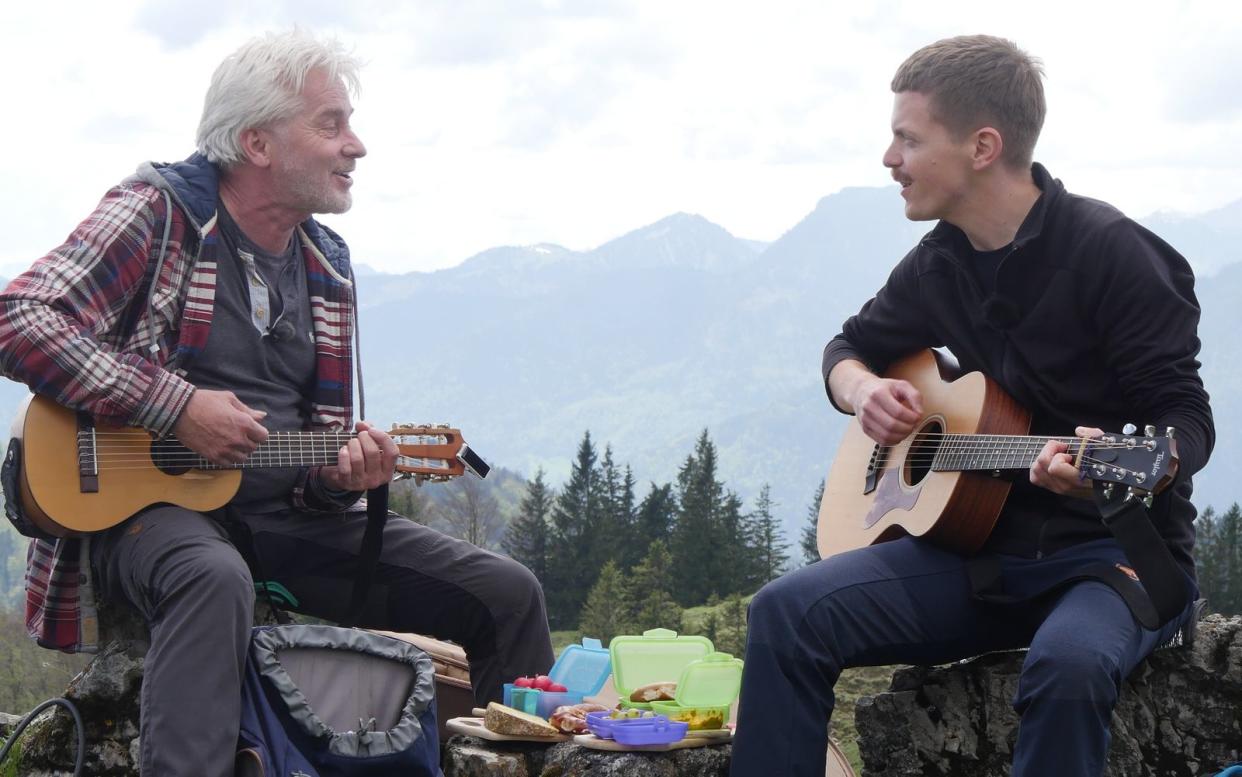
(1180,714)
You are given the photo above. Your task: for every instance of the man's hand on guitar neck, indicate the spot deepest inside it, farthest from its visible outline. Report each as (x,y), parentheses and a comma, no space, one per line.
(1054,468)
(369,460)
(887,409)
(217,425)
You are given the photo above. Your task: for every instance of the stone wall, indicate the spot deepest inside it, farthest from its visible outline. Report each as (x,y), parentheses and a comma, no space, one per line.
(1180,714)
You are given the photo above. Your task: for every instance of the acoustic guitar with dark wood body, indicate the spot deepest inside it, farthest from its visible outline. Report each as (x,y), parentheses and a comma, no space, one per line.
(76,477)
(943,481)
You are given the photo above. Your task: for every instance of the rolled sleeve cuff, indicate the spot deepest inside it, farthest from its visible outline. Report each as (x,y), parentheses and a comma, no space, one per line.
(161,406)
(838,350)
(312,493)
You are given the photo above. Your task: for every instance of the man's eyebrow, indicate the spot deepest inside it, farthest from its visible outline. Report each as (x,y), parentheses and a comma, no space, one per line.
(334,113)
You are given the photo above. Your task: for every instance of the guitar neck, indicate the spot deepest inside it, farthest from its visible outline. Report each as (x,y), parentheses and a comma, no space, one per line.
(281,449)
(988,452)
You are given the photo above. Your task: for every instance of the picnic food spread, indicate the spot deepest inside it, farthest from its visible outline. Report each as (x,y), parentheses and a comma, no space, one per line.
(654,711)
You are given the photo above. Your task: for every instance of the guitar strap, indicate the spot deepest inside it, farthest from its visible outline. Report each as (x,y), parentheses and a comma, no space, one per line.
(1162,579)
(369,553)
(1158,595)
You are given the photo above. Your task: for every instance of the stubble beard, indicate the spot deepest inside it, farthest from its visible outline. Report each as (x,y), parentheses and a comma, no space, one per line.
(311,194)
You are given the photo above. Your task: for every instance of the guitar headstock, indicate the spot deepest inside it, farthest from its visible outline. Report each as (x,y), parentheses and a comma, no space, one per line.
(434,453)
(1130,465)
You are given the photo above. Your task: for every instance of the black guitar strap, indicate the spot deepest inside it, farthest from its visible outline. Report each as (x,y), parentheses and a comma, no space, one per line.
(369,553)
(1163,580)
(1158,596)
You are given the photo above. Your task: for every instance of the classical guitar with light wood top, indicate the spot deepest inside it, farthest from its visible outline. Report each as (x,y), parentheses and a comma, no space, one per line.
(944,480)
(76,477)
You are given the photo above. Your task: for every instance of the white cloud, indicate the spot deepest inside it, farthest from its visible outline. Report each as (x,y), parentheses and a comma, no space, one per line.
(494,122)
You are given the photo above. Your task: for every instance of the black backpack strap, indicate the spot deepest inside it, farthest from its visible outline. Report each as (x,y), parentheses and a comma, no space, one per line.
(368,555)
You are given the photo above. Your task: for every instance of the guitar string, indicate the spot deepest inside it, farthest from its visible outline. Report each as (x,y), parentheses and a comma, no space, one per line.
(901,465)
(130,451)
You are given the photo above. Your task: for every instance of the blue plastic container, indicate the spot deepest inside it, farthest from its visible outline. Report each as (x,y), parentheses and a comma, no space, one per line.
(648,731)
(582,669)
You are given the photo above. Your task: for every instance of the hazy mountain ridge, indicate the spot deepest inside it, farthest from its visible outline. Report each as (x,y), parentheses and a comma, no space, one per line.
(679,325)
(645,350)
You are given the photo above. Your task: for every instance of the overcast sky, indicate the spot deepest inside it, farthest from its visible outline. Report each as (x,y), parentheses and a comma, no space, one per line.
(512,122)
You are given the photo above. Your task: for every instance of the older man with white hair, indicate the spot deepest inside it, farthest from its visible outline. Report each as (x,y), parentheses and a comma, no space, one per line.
(201,299)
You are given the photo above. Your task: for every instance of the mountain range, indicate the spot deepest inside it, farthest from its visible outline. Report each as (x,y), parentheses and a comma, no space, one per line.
(680,326)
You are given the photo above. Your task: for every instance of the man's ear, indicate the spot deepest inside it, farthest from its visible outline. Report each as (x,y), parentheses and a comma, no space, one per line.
(988,146)
(256,146)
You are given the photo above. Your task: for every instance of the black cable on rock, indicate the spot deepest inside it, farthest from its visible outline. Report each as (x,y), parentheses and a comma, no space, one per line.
(77,723)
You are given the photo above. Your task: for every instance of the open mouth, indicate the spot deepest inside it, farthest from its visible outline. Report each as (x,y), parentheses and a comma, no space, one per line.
(346,176)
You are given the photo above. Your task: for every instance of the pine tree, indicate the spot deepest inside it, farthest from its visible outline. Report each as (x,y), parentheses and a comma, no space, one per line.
(808,542)
(526,539)
(1229,600)
(650,591)
(626,519)
(570,569)
(711,628)
(736,563)
(607,610)
(767,540)
(732,631)
(656,515)
(608,535)
(1208,561)
(696,541)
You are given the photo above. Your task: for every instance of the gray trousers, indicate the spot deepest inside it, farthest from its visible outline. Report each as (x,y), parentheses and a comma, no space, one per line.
(180,570)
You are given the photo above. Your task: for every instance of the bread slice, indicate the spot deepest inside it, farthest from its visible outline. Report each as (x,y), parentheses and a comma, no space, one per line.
(515,723)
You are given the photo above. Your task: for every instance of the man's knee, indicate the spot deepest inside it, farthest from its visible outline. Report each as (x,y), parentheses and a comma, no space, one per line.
(1078,672)
(780,608)
(517,586)
(214,570)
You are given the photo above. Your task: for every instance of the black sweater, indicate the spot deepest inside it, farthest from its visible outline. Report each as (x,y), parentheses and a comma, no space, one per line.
(1093,323)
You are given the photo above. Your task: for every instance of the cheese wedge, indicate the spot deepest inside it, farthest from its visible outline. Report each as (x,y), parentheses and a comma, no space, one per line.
(515,723)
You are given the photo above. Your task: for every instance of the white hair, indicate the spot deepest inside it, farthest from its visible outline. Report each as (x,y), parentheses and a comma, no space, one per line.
(261,84)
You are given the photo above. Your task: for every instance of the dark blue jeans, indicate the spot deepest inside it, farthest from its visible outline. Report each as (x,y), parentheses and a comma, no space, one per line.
(907,602)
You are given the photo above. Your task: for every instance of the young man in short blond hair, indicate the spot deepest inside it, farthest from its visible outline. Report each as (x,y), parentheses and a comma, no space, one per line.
(1084,317)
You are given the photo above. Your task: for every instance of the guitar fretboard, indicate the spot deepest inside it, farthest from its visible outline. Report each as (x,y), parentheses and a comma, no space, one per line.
(281,449)
(965,452)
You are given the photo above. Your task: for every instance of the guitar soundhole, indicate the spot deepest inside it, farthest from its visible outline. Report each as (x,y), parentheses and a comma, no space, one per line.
(922,451)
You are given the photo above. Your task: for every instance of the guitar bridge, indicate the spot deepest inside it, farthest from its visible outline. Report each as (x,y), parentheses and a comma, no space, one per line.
(879,455)
(88,463)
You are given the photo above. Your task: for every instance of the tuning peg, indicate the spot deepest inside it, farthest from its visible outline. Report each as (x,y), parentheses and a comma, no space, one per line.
(1108,491)
(1129,429)
(1169,432)
(1147,499)
(1149,430)
(1131,494)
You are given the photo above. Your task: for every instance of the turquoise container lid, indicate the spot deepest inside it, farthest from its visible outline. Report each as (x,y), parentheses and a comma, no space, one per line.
(658,656)
(713,681)
(583,668)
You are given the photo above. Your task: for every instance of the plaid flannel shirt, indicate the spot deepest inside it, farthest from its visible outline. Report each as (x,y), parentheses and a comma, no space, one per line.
(108,323)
